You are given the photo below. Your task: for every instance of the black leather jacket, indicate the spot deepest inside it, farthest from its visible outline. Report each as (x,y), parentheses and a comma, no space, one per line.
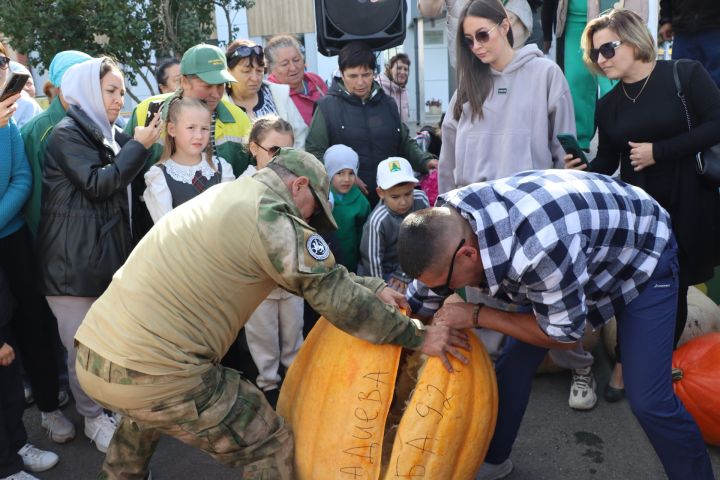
(84,234)
(689,16)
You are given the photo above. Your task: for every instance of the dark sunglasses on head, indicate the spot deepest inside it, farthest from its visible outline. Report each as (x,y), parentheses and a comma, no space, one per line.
(272,151)
(445,290)
(481,36)
(4,62)
(244,51)
(606,49)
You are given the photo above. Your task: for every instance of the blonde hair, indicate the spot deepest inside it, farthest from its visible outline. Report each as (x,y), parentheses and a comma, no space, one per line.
(265,125)
(175,107)
(630,29)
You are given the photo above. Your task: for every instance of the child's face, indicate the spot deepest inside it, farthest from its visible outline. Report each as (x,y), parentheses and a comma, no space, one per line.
(399,198)
(262,151)
(191,131)
(343,180)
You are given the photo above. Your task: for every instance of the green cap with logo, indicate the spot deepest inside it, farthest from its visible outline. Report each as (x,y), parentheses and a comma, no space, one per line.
(304,164)
(207,62)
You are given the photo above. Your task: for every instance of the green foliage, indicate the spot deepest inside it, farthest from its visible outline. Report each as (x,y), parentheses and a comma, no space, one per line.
(130,31)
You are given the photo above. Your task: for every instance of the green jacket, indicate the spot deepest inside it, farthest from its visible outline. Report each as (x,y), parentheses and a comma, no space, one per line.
(350,212)
(35,135)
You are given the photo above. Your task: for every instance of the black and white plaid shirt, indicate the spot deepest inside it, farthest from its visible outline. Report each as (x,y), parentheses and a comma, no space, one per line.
(571,245)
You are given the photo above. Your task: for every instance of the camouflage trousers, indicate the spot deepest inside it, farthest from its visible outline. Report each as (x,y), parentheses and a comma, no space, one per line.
(226,416)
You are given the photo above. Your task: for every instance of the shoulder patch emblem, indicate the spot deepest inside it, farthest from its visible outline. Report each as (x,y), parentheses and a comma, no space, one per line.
(317,247)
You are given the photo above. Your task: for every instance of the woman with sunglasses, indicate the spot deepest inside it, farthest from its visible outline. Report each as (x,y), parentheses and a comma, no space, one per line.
(643,129)
(508,107)
(257,97)
(503,119)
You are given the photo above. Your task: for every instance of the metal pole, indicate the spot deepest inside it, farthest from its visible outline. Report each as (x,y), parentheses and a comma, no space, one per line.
(420,69)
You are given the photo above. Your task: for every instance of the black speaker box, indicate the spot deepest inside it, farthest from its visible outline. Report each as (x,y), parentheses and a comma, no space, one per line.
(379,23)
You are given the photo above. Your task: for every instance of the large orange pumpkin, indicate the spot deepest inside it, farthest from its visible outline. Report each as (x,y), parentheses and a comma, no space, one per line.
(343,397)
(696,379)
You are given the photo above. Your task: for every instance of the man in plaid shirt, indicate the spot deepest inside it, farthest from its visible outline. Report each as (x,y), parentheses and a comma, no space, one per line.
(572,246)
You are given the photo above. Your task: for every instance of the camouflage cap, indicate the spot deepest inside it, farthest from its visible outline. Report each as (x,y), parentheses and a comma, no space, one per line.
(304,164)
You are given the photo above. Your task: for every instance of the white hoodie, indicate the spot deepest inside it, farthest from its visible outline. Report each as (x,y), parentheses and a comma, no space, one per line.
(529,105)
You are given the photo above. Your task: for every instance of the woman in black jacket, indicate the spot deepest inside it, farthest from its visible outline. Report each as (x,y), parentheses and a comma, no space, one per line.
(643,129)
(85,230)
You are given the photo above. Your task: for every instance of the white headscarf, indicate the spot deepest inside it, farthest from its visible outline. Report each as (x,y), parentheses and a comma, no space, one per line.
(81,87)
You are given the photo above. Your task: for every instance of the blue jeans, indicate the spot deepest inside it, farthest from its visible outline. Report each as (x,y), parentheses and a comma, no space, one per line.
(703,46)
(647,326)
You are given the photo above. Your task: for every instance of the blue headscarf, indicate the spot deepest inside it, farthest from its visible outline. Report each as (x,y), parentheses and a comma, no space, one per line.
(62,61)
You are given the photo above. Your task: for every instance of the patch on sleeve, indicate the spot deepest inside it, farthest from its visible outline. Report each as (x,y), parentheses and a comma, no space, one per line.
(317,247)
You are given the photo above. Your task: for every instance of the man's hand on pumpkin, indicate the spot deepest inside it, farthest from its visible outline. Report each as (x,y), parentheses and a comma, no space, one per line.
(441,341)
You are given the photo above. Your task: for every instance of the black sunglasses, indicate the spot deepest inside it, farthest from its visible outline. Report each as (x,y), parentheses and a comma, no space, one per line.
(606,49)
(244,51)
(445,290)
(481,36)
(272,151)
(4,62)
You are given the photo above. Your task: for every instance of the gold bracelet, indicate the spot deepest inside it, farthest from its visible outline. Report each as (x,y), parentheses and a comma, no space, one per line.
(475,315)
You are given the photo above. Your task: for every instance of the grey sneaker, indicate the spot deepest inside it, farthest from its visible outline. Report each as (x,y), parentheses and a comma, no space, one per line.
(59,428)
(582,390)
(490,471)
(37,460)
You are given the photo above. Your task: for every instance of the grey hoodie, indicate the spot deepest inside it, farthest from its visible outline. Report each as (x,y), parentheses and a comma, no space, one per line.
(529,104)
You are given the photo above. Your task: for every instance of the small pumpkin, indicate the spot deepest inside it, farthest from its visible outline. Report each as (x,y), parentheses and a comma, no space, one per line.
(703,317)
(697,383)
(364,411)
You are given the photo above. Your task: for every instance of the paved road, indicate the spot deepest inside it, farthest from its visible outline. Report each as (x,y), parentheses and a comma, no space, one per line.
(555,443)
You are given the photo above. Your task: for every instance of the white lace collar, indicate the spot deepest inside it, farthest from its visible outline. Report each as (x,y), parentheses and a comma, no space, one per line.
(186,173)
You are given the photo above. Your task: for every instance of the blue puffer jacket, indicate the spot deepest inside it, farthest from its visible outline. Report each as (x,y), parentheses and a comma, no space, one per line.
(15,179)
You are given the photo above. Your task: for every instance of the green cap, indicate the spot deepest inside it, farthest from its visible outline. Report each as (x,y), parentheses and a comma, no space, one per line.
(304,164)
(207,62)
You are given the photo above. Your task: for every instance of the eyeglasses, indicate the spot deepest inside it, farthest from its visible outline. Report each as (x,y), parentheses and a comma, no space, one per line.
(244,51)
(4,62)
(607,50)
(272,151)
(445,290)
(481,36)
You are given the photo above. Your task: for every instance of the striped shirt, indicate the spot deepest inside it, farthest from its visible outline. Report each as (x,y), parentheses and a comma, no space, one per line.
(574,246)
(378,246)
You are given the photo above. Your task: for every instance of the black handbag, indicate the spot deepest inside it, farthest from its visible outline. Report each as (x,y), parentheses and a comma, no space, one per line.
(708,161)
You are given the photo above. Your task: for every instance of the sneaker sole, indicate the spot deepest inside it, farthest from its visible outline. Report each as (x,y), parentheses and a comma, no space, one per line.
(59,438)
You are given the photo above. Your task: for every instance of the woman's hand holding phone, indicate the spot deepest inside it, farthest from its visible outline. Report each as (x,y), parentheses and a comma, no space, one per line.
(573,162)
(7,109)
(149,134)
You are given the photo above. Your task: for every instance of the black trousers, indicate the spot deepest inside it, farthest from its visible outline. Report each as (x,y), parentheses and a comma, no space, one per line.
(12,430)
(33,324)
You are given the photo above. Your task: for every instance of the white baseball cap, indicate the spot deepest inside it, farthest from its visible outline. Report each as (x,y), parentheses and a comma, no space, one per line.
(393,171)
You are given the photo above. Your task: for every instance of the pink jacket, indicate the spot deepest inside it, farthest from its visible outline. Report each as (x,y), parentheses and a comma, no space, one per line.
(397,93)
(305,103)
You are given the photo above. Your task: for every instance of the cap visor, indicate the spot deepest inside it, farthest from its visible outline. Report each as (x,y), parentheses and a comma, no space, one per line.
(397,181)
(216,77)
(325,221)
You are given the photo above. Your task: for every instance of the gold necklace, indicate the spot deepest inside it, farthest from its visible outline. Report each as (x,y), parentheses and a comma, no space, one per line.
(622,84)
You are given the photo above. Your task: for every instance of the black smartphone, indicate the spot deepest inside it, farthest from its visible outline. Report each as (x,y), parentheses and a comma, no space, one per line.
(14,85)
(571,146)
(153,108)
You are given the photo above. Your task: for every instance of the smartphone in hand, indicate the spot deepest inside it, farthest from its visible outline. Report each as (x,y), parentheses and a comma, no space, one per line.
(14,85)
(571,146)
(153,108)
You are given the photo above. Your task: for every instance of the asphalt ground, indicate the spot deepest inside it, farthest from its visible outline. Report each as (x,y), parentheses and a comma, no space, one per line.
(554,443)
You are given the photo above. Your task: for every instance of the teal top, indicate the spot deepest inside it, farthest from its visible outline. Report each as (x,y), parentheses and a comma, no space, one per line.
(350,212)
(15,179)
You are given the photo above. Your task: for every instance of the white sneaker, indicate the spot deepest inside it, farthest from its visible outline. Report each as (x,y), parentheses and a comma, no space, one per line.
(37,460)
(489,471)
(100,430)
(20,476)
(582,390)
(59,428)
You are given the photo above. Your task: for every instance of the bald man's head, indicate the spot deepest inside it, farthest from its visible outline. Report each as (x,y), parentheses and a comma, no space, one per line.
(427,238)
